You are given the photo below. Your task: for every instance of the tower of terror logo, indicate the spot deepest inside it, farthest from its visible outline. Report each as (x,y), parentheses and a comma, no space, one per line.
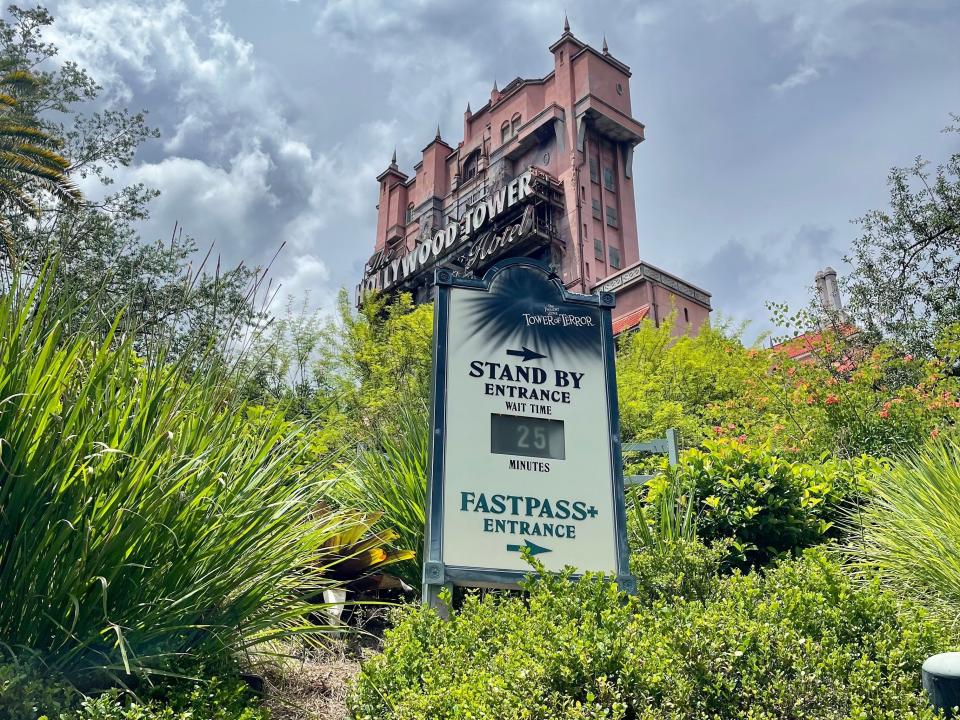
(383,273)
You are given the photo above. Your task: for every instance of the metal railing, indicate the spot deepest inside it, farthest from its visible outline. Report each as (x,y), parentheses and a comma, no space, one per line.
(666,445)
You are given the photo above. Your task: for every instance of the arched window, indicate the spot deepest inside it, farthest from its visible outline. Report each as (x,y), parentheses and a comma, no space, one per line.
(504,132)
(409,212)
(515,124)
(470,165)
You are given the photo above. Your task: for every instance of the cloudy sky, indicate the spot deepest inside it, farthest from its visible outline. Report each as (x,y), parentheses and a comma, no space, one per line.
(770,123)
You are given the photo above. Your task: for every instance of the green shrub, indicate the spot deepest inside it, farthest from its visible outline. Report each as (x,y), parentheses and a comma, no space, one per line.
(214,699)
(801,641)
(26,693)
(666,558)
(767,505)
(685,569)
(143,513)
(390,479)
(909,532)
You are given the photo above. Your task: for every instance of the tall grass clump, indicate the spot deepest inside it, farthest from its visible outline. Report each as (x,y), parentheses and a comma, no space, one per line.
(145,516)
(909,533)
(390,478)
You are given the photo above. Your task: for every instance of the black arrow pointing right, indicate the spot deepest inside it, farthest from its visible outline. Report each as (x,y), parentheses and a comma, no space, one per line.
(526,354)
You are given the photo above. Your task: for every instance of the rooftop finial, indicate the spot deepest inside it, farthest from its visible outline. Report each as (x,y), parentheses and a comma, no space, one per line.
(495,88)
(566,22)
(438,132)
(469,111)
(606,50)
(393,160)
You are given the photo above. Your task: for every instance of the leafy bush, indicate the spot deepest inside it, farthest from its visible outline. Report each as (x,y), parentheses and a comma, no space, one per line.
(910,530)
(26,692)
(214,699)
(684,569)
(143,515)
(390,478)
(666,559)
(767,505)
(801,641)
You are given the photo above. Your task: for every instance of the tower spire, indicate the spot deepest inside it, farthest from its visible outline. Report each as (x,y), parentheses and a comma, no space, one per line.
(393,160)
(438,132)
(566,22)
(606,50)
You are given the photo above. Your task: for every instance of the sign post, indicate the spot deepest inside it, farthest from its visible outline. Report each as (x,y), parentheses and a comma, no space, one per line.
(525,448)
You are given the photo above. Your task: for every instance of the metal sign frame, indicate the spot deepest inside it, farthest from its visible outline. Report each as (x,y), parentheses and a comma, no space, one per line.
(437,575)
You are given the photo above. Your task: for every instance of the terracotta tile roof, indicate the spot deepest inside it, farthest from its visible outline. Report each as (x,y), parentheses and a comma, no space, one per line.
(805,344)
(631,319)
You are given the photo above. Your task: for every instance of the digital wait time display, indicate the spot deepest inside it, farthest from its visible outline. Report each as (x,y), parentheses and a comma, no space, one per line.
(527,436)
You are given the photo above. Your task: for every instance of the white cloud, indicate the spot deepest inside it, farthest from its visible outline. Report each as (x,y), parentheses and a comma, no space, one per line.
(819,34)
(801,76)
(234,172)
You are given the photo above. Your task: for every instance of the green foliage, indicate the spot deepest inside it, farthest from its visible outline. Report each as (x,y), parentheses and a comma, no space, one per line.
(143,514)
(30,161)
(903,286)
(667,382)
(375,362)
(767,505)
(801,641)
(213,699)
(158,284)
(26,693)
(849,401)
(910,531)
(658,519)
(682,569)
(845,401)
(391,478)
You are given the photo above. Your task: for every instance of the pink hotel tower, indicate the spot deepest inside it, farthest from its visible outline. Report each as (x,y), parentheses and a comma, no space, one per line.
(545,170)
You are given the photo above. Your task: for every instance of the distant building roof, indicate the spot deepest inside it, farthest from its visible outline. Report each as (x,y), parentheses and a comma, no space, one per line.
(802,346)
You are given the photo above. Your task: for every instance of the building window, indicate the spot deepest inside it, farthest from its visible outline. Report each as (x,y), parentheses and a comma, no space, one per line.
(470,166)
(504,133)
(686,315)
(614,258)
(588,270)
(583,193)
(594,170)
(598,249)
(409,213)
(608,179)
(515,124)
(611,216)
(596,210)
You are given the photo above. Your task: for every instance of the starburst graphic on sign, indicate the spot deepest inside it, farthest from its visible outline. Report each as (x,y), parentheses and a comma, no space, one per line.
(524,309)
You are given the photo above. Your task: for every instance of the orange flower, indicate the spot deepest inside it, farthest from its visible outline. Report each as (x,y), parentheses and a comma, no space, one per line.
(832,399)
(741,438)
(934,433)
(884,414)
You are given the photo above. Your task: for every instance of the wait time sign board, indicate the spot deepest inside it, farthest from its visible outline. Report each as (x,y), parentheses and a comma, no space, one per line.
(525,450)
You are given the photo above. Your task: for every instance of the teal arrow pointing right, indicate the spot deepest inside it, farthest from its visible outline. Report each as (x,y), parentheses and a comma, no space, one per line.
(534,548)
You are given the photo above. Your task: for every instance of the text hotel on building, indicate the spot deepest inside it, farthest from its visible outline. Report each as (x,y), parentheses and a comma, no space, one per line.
(545,170)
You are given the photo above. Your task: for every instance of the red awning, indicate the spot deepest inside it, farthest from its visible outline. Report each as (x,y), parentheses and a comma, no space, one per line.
(631,319)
